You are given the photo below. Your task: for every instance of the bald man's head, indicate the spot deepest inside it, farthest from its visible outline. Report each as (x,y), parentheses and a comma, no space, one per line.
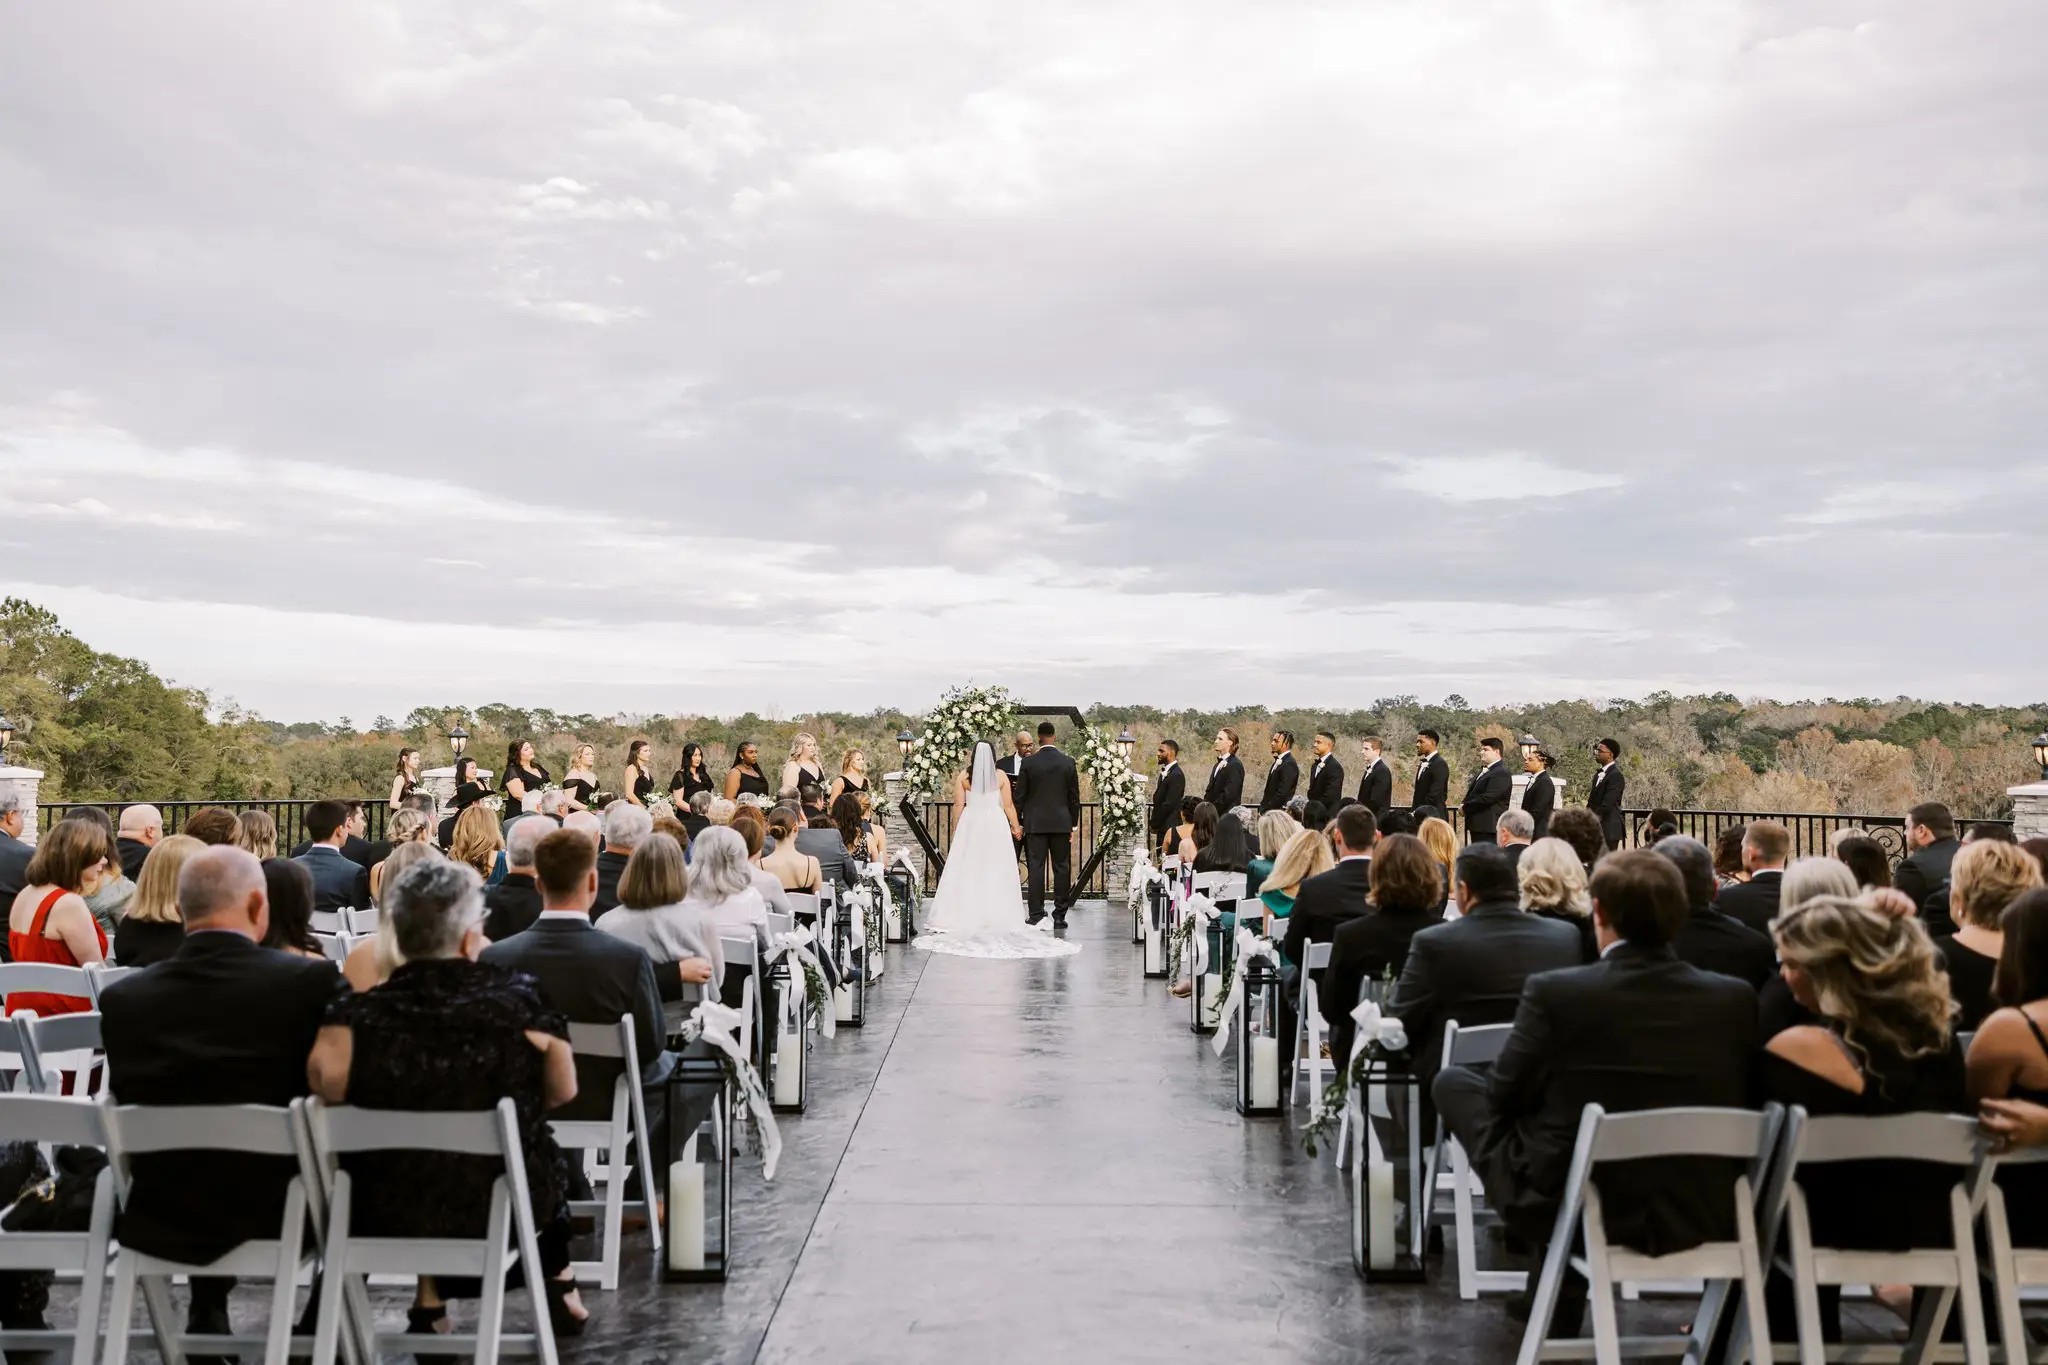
(586,822)
(222,887)
(144,824)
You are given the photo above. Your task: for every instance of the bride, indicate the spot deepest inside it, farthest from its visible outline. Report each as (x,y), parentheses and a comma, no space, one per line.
(978,910)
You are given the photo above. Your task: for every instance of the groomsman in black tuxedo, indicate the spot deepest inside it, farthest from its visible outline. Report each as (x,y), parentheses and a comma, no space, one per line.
(1486,794)
(1326,774)
(1226,780)
(1376,788)
(1432,778)
(1282,779)
(1166,797)
(1604,800)
(1540,797)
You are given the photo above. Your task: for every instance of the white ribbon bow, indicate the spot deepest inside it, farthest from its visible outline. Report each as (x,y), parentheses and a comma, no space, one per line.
(798,945)
(1203,912)
(719,1027)
(1374,1027)
(1249,946)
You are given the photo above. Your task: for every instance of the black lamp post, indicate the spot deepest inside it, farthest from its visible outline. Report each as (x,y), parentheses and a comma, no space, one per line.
(2040,749)
(905,742)
(1126,742)
(1530,744)
(458,740)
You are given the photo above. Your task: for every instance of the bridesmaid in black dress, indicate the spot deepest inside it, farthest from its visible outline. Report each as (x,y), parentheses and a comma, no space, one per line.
(524,776)
(405,778)
(803,768)
(468,791)
(745,775)
(637,784)
(692,777)
(580,782)
(853,775)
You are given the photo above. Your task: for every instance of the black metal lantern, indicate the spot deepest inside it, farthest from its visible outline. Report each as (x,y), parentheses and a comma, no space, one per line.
(905,742)
(458,740)
(2040,751)
(1258,1041)
(849,940)
(1389,1213)
(1158,923)
(697,1222)
(1126,742)
(1141,915)
(1530,745)
(898,916)
(1207,945)
(790,1009)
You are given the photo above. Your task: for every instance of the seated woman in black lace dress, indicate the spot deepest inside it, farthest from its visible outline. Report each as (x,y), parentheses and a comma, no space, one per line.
(2009,1056)
(1883,1042)
(447,1032)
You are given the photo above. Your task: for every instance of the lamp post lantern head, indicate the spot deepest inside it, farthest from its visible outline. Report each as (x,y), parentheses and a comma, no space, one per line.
(1530,744)
(1125,742)
(905,742)
(458,740)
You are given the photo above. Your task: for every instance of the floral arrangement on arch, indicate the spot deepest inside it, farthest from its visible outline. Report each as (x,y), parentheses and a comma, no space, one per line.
(963,716)
(1123,812)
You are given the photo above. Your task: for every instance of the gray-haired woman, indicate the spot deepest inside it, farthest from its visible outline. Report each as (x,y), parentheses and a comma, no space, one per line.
(722,885)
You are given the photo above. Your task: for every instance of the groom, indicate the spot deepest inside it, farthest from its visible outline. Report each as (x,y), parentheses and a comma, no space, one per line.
(1049,806)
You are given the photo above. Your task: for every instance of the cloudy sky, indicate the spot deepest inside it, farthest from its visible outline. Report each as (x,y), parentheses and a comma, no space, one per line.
(651,355)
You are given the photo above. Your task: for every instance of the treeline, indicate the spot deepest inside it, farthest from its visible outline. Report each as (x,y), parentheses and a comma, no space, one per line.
(104,727)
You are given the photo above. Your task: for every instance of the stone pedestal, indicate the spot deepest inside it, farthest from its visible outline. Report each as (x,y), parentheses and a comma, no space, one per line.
(2029,810)
(24,783)
(1522,785)
(441,782)
(896,827)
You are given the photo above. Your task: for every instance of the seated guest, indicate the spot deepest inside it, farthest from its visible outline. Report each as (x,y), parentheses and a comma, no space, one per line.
(1314,814)
(1728,868)
(793,868)
(1710,940)
(1397,822)
(408,826)
(1306,855)
(587,823)
(257,835)
(49,920)
(1552,885)
(721,811)
(2037,848)
(141,829)
(1225,851)
(1865,857)
(625,826)
(722,888)
(1442,842)
(354,846)
(1406,889)
(1581,829)
(14,852)
(1805,880)
(108,890)
(1275,828)
(680,938)
(2008,1059)
(696,817)
(1201,830)
(1882,1042)
(1472,968)
(850,822)
(1324,902)
(749,825)
(1984,879)
(824,842)
(370,962)
(1659,825)
(1182,830)
(878,840)
(513,905)
(1766,845)
(813,801)
(222,1021)
(289,888)
(152,930)
(672,827)
(1515,831)
(478,840)
(453,1031)
(422,804)
(1637,1029)
(338,884)
(213,825)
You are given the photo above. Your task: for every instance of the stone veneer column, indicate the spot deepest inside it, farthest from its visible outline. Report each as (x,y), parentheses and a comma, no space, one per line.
(1522,785)
(1119,859)
(2029,810)
(895,827)
(441,782)
(24,783)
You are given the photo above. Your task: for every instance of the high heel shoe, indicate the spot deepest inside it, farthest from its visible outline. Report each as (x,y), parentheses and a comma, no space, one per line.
(565,1323)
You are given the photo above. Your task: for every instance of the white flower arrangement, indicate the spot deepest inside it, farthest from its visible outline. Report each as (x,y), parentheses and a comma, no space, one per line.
(1123,814)
(962,717)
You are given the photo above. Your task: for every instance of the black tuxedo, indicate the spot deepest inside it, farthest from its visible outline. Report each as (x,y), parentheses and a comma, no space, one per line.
(133,851)
(1049,811)
(1604,800)
(361,852)
(1376,788)
(511,906)
(1754,902)
(1921,873)
(1166,799)
(1715,942)
(1539,799)
(337,882)
(1326,782)
(1486,800)
(610,867)
(1325,901)
(223,1021)
(1281,780)
(1226,785)
(1433,785)
(1636,1030)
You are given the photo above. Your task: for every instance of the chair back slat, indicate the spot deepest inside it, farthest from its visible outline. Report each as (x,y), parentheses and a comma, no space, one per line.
(740,952)
(802,903)
(66,1033)
(343,1129)
(1316,958)
(255,1129)
(612,1041)
(44,978)
(1735,1133)
(1474,1044)
(58,1120)
(100,976)
(779,923)
(1947,1139)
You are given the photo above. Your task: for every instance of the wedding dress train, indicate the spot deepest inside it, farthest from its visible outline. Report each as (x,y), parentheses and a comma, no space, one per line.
(978,910)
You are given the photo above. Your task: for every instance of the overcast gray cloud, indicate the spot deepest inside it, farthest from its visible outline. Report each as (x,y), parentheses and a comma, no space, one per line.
(631,354)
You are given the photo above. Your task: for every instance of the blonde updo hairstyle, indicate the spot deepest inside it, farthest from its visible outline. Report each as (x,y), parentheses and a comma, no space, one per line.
(1876,977)
(1552,878)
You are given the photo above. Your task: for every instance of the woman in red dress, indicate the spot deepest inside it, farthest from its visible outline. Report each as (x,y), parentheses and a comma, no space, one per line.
(49,920)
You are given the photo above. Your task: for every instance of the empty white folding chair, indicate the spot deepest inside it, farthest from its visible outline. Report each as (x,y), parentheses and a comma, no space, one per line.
(1309,1033)
(51,1121)
(1448,1165)
(61,1055)
(250,1129)
(509,1238)
(2012,1268)
(1744,1135)
(99,976)
(623,1140)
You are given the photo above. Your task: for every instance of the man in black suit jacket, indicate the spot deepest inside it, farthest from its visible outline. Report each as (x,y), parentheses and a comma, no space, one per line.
(1487,794)
(1049,811)
(141,829)
(1931,837)
(1326,774)
(1710,940)
(338,882)
(1766,845)
(1609,786)
(1281,779)
(1226,780)
(14,851)
(1513,832)
(625,828)
(354,847)
(1166,797)
(223,1021)
(1376,787)
(1329,899)
(1432,778)
(1636,1030)
(514,904)
(1539,798)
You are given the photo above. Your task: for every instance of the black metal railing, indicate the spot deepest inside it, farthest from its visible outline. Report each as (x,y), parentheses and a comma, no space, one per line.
(937,819)
(1811,831)
(290,814)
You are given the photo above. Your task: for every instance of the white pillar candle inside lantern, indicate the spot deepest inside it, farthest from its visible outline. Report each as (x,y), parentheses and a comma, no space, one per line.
(1265,1072)
(1212,996)
(1379,1211)
(686,1211)
(894,927)
(842,1004)
(1155,952)
(789,1068)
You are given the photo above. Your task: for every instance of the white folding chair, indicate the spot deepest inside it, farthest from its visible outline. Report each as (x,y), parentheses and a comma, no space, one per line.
(334,947)
(1941,1139)
(745,952)
(803,905)
(1736,1134)
(61,1055)
(1309,1033)
(509,1238)
(44,978)
(1478,1045)
(2012,1268)
(51,1122)
(359,923)
(99,976)
(623,1140)
(14,1055)
(251,1129)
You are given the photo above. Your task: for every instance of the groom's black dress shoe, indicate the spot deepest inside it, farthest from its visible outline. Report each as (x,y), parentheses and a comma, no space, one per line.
(1033,919)
(1059,921)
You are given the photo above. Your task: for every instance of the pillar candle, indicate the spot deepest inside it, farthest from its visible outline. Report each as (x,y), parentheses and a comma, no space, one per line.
(1379,1213)
(1265,1073)
(1155,951)
(686,1212)
(842,1004)
(789,1062)
(1212,996)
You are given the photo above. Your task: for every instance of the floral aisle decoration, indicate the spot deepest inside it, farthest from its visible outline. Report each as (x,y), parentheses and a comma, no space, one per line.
(963,716)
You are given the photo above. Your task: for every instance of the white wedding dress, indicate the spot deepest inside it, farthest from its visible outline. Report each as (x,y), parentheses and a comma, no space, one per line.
(978,910)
